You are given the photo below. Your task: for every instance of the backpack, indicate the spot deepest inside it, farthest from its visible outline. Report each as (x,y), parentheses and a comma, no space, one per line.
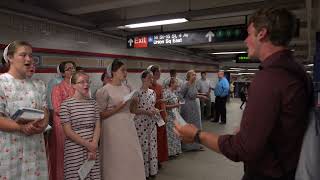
(309,160)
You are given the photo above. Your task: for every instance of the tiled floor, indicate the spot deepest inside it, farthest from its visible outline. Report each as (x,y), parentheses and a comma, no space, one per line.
(207,165)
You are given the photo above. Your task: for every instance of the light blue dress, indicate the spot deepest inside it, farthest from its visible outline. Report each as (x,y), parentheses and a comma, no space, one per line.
(190,111)
(21,156)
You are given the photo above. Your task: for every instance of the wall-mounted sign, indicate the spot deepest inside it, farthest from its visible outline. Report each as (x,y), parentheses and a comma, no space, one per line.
(243,58)
(200,36)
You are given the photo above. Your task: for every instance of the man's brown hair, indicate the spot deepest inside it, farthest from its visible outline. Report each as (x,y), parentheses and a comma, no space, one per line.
(279,23)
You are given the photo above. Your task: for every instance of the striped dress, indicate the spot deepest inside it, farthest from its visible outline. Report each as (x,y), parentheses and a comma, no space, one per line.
(82,115)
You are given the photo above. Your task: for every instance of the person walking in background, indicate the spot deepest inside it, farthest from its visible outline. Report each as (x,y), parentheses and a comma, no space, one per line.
(221,91)
(232,89)
(160,104)
(146,116)
(22,148)
(56,139)
(119,145)
(80,118)
(243,95)
(205,90)
(189,110)
(172,106)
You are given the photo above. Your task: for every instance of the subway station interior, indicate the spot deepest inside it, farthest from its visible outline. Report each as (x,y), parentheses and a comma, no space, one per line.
(207,36)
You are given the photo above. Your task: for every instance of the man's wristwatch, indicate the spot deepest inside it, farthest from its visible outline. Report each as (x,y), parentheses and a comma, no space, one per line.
(197,137)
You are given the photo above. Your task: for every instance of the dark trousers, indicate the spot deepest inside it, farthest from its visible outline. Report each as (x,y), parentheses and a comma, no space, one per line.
(221,109)
(205,106)
(242,103)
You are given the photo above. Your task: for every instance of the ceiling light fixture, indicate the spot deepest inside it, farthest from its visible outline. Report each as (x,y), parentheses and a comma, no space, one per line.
(233,70)
(245,73)
(154,23)
(253,69)
(309,65)
(233,52)
(237,68)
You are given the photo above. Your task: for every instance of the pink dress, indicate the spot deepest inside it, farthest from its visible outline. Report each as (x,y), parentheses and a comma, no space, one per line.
(56,138)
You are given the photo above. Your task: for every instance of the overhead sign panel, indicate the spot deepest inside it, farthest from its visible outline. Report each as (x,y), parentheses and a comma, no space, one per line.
(201,36)
(243,58)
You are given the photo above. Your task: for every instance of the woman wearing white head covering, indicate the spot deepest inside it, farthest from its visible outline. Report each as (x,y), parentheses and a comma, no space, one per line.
(22,150)
(121,152)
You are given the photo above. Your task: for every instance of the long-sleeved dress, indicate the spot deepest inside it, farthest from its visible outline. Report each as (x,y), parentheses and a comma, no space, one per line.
(119,144)
(82,116)
(190,111)
(174,143)
(56,138)
(22,156)
(147,131)
(161,131)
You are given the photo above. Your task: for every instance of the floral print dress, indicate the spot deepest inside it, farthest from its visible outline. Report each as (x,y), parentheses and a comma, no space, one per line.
(174,143)
(21,156)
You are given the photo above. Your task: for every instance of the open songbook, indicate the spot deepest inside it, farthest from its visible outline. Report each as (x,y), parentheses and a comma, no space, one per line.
(24,115)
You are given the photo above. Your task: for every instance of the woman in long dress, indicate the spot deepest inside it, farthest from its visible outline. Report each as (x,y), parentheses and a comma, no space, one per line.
(22,148)
(80,118)
(172,105)
(190,110)
(160,104)
(145,119)
(121,152)
(56,138)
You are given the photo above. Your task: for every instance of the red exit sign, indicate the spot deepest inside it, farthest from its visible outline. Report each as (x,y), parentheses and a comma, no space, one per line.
(141,42)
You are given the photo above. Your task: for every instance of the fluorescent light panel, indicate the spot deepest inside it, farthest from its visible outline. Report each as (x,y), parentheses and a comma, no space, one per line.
(253,69)
(237,68)
(155,23)
(232,52)
(245,73)
(233,70)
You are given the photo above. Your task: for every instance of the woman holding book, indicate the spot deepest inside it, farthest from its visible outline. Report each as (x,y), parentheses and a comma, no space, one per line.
(122,156)
(22,148)
(81,124)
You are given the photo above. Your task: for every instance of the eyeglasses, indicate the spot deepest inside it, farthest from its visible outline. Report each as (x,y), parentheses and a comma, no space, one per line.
(69,69)
(84,82)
